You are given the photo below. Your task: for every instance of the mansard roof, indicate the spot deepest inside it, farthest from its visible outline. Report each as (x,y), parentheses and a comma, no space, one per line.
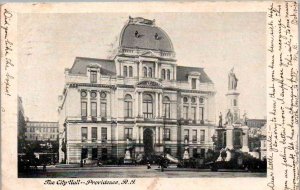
(183,72)
(143,34)
(108,67)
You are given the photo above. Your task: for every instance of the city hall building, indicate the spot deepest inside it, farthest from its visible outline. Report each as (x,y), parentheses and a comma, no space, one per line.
(142,101)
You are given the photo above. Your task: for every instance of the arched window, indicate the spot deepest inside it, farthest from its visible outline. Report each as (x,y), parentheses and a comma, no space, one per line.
(145,71)
(125,71)
(168,74)
(163,74)
(150,72)
(128,105)
(166,107)
(147,106)
(130,71)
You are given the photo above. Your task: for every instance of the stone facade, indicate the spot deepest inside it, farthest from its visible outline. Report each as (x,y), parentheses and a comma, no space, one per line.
(140,101)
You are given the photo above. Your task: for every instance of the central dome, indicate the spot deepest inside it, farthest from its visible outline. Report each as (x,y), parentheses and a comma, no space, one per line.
(143,34)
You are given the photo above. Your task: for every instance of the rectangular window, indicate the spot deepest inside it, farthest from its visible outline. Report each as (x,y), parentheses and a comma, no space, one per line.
(103,109)
(167,134)
(166,110)
(94,134)
(83,109)
(93,76)
(185,112)
(194,135)
(128,133)
(202,135)
(186,134)
(94,109)
(193,83)
(128,109)
(201,114)
(193,114)
(104,134)
(83,134)
(94,153)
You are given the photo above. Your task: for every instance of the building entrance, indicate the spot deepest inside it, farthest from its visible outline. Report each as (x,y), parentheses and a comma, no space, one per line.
(148,142)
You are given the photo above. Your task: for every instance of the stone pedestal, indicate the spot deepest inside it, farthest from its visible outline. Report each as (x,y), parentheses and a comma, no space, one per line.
(245,147)
(229,137)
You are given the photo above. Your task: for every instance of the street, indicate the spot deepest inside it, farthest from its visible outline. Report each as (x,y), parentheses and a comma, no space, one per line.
(132,172)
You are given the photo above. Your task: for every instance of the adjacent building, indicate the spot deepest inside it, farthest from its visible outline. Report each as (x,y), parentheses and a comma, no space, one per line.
(21,126)
(142,101)
(41,131)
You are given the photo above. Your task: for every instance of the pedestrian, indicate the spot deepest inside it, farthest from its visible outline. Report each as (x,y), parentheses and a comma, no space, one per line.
(148,165)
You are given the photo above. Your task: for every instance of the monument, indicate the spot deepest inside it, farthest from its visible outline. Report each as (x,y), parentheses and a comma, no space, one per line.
(234,132)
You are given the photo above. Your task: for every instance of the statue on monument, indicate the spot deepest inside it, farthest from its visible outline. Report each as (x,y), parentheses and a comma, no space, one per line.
(220,119)
(229,118)
(232,80)
(245,118)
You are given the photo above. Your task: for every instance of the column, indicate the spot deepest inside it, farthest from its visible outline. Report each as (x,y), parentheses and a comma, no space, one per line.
(156,105)
(190,136)
(197,110)
(121,69)
(88,109)
(156,135)
(98,104)
(174,72)
(108,104)
(205,110)
(141,104)
(160,104)
(142,134)
(245,147)
(136,104)
(139,135)
(159,71)
(112,101)
(229,137)
(140,70)
(161,134)
(156,70)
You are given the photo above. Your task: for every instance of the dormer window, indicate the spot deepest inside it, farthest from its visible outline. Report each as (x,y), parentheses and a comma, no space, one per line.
(136,34)
(194,81)
(150,72)
(157,37)
(163,74)
(130,71)
(127,71)
(168,74)
(93,76)
(145,71)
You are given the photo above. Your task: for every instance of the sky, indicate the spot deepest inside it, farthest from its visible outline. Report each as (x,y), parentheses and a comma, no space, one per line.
(216,42)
